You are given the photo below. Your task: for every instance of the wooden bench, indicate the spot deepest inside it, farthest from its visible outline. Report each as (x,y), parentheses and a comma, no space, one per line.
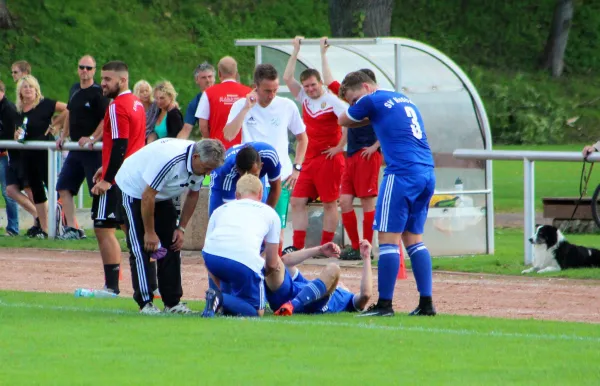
(561,208)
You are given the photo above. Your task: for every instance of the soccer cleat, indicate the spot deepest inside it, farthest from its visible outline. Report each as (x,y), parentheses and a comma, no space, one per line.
(37,233)
(214,304)
(150,309)
(379,309)
(285,310)
(71,234)
(425,308)
(180,308)
(289,249)
(82,234)
(350,254)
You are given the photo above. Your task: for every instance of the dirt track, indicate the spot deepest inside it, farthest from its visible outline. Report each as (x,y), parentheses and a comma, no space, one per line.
(463,294)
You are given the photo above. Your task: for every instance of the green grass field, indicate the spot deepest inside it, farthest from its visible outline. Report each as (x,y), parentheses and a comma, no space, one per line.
(57,339)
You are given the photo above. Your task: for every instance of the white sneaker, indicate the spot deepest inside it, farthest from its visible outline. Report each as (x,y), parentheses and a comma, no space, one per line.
(150,309)
(180,308)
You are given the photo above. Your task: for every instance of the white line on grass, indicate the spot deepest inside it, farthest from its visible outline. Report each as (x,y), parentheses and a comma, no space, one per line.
(359,325)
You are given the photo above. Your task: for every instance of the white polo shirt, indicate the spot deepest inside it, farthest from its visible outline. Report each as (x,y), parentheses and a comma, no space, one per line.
(270,125)
(237,229)
(165,165)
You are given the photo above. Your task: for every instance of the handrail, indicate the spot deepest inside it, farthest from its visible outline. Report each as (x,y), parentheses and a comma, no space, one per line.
(50,147)
(528,157)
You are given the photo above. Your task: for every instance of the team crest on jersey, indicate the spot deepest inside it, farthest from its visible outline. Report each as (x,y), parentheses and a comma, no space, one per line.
(136,104)
(275,121)
(323,105)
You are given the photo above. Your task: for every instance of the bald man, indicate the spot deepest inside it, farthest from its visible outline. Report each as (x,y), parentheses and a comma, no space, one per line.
(83,124)
(217,100)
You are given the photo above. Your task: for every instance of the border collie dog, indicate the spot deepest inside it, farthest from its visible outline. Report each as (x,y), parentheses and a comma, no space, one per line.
(552,252)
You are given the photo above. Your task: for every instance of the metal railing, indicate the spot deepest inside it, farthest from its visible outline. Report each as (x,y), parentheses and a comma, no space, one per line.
(528,158)
(50,147)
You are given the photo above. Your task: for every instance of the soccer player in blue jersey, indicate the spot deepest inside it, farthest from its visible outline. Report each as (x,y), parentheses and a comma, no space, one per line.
(406,189)
(257,158)
(340,300)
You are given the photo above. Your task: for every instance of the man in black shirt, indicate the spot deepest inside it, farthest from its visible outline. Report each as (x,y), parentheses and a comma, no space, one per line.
(7,129)
(83,124)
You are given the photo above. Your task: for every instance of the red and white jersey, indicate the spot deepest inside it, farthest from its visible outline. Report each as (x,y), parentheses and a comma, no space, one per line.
(321,119)
(125,118)
(215,104)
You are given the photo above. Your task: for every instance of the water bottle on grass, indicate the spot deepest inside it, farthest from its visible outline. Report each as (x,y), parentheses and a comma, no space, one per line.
(92,293)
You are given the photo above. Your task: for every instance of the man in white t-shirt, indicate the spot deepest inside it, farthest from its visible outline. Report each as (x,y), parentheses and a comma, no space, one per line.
(265,117)
(231,251)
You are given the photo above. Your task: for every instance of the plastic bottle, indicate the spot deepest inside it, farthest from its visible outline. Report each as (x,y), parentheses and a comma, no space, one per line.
(23,127)
(458,185)
(92,293)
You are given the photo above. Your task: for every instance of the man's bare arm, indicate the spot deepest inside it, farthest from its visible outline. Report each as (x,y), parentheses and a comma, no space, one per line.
(186,131)
(148,202)
(344,120)
(189,205)
(366,281)
(204,129)
(288,76)
(327,75)
(301,145)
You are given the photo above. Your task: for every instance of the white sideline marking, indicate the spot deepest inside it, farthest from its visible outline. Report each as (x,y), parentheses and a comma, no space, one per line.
(361,325)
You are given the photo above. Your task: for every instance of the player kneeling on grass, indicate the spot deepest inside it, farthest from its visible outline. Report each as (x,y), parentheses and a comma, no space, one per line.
(340,300)
(236,231)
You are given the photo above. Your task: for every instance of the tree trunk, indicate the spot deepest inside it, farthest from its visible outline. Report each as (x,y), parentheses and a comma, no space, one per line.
(553,56)
(6,20)
(360,18)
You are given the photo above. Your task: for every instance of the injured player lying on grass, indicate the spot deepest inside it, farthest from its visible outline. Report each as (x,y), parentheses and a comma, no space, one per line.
(289,292)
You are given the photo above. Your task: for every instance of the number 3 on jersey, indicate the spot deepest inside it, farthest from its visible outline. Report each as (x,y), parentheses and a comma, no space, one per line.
(416,128)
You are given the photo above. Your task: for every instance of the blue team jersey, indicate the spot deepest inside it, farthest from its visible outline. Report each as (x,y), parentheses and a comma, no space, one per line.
(399,127)
(225,177)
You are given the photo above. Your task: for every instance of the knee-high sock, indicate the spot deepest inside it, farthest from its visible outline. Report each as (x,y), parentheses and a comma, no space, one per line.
(313,291)
(368,218)
(351,225)
(388,265)
(420,260)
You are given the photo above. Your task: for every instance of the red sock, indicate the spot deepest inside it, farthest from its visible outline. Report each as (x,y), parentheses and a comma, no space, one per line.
(299,238)
(368,218)
(351,225)
(327,237)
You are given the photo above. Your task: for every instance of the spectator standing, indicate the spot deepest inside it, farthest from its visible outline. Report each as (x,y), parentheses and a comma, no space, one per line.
(204,75)
(145,94)
(83,124)
(217,100)
(169,120)
(8,117)
(35,118)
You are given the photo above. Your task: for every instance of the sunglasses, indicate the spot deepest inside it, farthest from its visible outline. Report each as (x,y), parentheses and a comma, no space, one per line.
(16,72)
(89,68)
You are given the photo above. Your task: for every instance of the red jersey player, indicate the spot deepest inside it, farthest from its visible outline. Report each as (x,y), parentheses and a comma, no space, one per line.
(215,104)
(123,135)
(321,172)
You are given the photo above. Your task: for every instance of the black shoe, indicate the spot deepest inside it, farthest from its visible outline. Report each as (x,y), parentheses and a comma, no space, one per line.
(425,308)
(289,249)
(382,308)
(214,304)
(37,233)
(350,254)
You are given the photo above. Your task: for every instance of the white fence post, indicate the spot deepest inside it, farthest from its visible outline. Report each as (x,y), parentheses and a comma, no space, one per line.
(80,195)
(52,196)
(528,208)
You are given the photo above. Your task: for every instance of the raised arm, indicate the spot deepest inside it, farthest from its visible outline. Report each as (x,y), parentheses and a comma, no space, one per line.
(288,76)
(327,76)
(366,282)
(237,115)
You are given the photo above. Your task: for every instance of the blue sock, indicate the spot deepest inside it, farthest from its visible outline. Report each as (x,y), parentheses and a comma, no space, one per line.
(313,291)
(237,307)
(212,284)
(387,270)
(420,260)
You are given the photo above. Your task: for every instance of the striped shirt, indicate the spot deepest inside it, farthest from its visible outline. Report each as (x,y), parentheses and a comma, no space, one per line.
(164,165)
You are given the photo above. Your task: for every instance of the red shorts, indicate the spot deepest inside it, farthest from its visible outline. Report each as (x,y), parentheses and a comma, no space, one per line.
(361,176)
(320,177)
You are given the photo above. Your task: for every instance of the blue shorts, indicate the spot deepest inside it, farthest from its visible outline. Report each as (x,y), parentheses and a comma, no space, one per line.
(242,282)
(78,165)
(288,291)
(403,202)
(341,300)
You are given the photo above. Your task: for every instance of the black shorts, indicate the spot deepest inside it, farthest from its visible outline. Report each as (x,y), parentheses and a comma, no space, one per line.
(13,175)
(78,166)
(107,210)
